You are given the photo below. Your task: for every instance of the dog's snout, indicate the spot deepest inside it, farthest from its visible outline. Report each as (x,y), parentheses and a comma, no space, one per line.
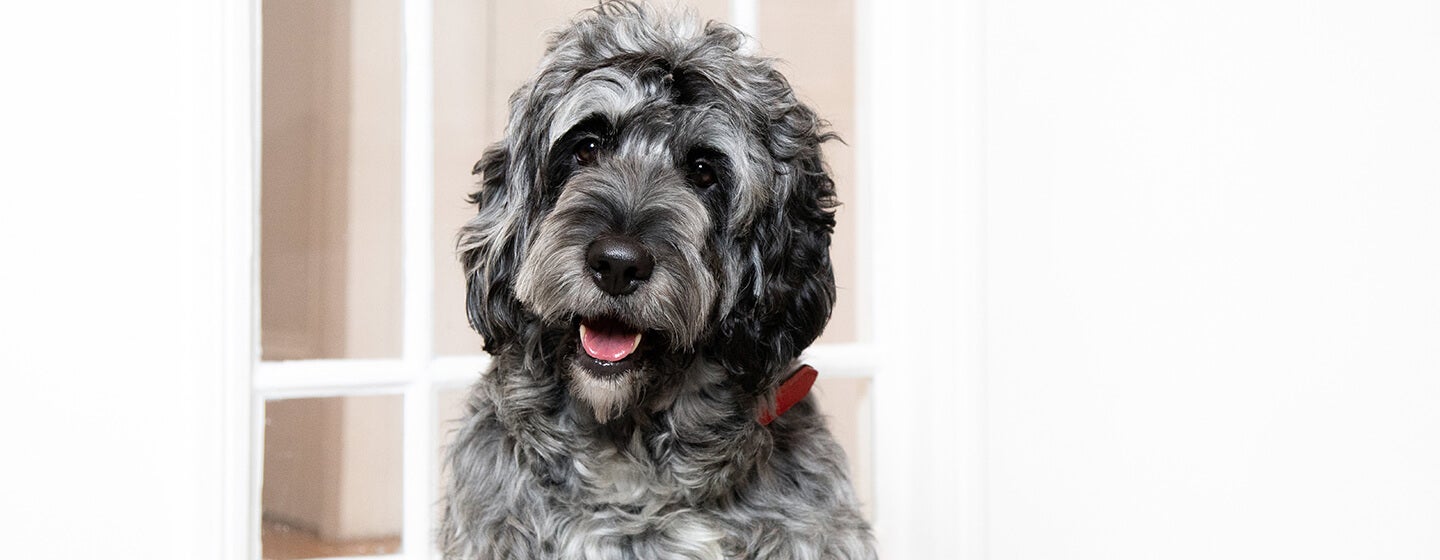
(619,264)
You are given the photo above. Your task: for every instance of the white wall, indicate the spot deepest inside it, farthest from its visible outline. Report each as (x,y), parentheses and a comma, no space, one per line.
(110,330)
(1214,253)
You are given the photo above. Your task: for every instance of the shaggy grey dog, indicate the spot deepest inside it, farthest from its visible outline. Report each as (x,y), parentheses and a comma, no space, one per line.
(650,256)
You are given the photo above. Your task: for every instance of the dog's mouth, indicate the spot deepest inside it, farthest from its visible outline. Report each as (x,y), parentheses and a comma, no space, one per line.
(612,345)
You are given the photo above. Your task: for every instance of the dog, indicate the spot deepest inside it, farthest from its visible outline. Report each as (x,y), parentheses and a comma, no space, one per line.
(649,258)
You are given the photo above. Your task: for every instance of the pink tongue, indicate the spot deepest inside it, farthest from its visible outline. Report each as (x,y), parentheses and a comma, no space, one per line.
(608,345)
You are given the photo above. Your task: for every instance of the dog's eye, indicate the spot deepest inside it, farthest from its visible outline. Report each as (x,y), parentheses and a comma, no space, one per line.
(702,174)
(586,151)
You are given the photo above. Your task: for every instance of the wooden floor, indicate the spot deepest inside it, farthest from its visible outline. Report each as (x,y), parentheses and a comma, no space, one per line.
(279,541)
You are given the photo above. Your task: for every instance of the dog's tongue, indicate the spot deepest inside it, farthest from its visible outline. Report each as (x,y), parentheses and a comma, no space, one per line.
(608,341)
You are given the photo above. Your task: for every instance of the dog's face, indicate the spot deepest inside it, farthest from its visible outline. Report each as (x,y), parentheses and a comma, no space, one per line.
(659,198)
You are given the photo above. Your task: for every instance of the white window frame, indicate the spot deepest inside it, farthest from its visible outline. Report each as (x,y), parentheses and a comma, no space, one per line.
(922,321)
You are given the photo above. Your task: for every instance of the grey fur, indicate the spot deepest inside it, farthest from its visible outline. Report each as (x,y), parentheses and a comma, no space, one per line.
(667,459)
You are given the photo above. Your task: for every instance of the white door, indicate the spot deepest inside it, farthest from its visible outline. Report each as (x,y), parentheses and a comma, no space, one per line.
(1213,259)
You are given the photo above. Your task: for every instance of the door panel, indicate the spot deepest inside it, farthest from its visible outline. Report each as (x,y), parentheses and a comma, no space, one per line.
(1212,259)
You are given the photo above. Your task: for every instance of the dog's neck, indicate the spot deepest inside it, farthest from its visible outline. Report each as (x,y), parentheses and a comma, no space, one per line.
(700,422)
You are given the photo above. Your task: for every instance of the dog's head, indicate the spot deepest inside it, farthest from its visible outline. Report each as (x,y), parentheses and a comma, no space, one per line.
(659,196)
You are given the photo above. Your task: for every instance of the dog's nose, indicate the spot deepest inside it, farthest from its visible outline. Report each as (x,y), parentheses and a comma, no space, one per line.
(619,264)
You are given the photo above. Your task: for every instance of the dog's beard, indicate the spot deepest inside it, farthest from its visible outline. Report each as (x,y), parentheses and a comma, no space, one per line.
(609,363)
(608,367)
(608,396)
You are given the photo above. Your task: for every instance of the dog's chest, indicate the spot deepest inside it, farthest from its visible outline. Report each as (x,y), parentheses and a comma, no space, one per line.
(624,480)
(630,477)
(636,497)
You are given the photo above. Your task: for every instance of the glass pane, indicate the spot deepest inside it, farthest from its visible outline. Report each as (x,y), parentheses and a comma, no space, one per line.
(449,412)
(330,179)
(845,402)
(332,477)
(462,130)
(483,52)
(815,39)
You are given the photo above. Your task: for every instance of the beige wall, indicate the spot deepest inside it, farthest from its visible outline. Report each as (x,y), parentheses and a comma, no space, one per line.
(330,176)
(462,130)
(301,462)
(305,99)
(369,496)
(333,466)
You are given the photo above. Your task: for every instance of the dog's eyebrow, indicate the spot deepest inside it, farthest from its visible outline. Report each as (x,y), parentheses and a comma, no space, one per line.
(595,124)
(557,160)
(606,92)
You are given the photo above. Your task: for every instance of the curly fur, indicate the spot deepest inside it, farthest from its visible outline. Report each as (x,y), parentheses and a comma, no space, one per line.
(666,460)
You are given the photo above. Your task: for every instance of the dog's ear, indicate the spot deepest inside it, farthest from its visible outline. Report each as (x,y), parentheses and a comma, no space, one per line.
(787,286)
(489,247)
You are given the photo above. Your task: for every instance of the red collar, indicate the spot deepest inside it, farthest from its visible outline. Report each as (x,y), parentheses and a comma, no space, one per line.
(789,393)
